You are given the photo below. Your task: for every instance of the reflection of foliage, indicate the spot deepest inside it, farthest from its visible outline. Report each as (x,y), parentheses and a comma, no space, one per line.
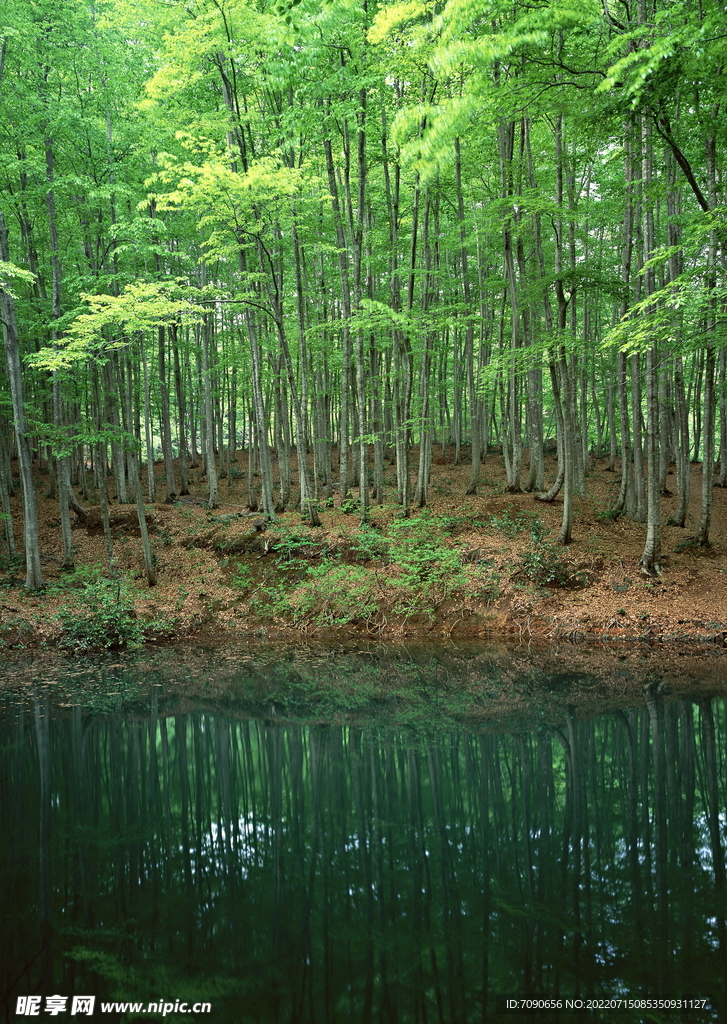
(237,861)
(137,984)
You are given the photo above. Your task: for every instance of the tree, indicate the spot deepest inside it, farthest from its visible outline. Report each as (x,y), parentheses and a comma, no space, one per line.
(33,573)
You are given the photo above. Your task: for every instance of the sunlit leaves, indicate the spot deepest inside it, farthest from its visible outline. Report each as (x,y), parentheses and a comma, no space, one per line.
(392,16)
(10,275)
(106,322)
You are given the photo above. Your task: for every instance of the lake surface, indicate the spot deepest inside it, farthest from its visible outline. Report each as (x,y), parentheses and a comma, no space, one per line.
(363,837)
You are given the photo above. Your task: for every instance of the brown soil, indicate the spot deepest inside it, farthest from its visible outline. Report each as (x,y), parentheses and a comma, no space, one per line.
(608,597)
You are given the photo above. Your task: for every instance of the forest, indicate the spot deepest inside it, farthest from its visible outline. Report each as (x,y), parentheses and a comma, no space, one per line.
(332,234)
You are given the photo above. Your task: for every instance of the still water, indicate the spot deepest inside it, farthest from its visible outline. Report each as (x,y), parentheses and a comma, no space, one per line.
(397,847)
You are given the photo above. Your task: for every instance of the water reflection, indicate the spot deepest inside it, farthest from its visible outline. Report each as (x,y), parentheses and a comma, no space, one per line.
(340,873)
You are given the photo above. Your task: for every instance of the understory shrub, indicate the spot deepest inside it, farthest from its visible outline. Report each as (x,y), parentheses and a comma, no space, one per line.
(543,562)
(332,594)
(429,570)
(242,578)
(368,544)
(100,615)
(421,571)
(292,544)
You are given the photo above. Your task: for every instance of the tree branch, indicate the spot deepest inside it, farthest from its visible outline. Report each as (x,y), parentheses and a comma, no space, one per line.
(664,129)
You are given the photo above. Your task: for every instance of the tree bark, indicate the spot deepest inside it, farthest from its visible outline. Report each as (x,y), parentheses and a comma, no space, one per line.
(33,574)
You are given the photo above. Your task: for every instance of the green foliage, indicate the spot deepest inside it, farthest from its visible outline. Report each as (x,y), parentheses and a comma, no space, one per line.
(421,571)
(349,506)
(429,569)
(101,615)
(10,569)
(201,215)
(15,632)
(331,594)
(605,515)
(241,578)
(543,562)
(511,522)
(292,544)
(107,322)
(369,545)
(10,273)
(334,594)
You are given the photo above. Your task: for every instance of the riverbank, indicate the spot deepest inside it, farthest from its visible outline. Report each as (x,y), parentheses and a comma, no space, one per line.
(466,567)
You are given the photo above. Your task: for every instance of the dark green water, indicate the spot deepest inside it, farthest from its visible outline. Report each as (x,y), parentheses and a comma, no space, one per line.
(409,863)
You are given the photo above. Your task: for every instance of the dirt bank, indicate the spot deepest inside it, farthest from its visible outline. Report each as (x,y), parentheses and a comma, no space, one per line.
(216,572)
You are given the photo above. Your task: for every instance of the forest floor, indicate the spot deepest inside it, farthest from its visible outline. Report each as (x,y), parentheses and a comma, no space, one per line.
(467,567)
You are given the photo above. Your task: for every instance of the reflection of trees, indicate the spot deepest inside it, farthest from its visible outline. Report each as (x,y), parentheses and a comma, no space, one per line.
(715,809)
(336,873)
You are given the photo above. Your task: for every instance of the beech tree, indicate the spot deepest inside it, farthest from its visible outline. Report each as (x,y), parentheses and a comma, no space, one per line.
(338,232)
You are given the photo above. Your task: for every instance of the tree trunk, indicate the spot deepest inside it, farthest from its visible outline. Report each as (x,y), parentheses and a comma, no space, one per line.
(33,574)
(212,487)
(165,419)
(651,556)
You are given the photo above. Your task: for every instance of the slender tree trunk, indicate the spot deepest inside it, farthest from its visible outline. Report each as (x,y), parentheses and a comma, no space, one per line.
(165,419)
(149,567)
(469,355)
(710,364)
(5,508)
(212,487)
(651,557)
(566,389)
(722,392)
(681,436)
(343,432)
(33,574)
(263,450)
(181,414)
(705,518)
(148,425)
(64,482)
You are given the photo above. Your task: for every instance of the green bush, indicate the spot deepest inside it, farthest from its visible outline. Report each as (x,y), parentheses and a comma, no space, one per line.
(430,570)
(368,544)
(543,562)
(332,594)
(291,544)
(11,567)
(101,614)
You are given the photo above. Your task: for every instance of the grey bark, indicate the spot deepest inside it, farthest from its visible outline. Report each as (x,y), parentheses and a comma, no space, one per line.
(33,574)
